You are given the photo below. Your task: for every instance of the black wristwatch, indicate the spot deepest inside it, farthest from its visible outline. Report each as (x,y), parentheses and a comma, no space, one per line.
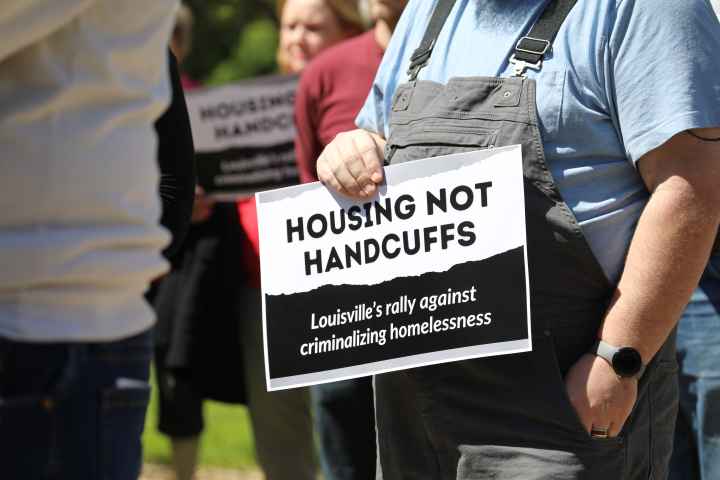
(626,361)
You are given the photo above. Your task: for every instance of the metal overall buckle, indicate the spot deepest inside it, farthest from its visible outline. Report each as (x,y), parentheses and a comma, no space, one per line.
(419,60)
(519,66)
(522,46)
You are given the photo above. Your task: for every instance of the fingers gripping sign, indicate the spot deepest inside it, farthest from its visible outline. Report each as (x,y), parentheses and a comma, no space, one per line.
(352,163)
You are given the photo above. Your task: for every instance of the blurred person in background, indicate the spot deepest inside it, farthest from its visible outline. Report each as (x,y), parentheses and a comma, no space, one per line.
(175,148)
(696,450)
(309,26)
(331,91)
(209,307)
(81,84)
(181,42)
(198,339)
(176,161)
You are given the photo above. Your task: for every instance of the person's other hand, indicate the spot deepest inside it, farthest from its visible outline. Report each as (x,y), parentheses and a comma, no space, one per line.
(601,398)
(352,163)
(202,206)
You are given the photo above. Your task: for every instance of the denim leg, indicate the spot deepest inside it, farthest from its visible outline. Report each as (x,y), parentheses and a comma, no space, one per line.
(120,372)
(708,425)
(74,410)
(684,460)
(697,440)
(32,378)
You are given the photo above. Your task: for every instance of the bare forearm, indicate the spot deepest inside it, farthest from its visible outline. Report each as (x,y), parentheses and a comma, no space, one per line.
(666,258)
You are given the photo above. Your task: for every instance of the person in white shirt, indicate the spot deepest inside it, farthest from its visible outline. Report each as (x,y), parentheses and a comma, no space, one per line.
(81,85)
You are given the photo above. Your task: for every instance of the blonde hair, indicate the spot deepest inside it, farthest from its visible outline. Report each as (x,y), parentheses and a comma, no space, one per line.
(346,11)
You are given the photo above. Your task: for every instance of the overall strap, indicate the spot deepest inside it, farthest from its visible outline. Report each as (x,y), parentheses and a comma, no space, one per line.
(531,49)
(528,52)
(421,55)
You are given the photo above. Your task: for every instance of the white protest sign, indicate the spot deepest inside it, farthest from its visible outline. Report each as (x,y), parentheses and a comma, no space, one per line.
(431,270)
(243,135)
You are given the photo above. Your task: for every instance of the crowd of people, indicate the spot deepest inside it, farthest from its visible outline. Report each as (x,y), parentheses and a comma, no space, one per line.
(617,107)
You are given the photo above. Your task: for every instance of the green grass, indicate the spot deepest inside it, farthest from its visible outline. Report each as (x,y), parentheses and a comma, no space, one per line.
(227,441)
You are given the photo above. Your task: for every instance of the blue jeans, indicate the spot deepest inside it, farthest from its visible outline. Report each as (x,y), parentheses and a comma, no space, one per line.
(73,410)
(696,453)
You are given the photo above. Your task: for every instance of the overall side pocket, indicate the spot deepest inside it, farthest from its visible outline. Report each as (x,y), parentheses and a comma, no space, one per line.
(566,405)
(601,458)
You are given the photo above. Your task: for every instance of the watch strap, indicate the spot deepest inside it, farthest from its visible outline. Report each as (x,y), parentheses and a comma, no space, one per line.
(606,351)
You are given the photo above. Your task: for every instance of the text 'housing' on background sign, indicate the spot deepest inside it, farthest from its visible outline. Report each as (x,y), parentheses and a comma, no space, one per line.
(432,270)
(243,135)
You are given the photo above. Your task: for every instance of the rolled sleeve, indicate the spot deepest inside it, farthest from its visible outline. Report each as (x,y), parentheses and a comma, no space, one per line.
(371,115)
(666,73)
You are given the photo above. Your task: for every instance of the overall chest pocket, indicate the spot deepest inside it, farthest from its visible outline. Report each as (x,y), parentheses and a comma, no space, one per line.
(433,137)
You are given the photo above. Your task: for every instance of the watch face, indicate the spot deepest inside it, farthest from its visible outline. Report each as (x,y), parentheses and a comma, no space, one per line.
(627,362)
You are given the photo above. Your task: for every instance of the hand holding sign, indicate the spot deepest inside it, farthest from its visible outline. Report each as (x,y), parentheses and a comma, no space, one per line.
(352,163)
(430,269)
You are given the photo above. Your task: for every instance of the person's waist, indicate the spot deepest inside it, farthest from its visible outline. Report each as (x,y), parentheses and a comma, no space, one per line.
(47,261)
(91,316)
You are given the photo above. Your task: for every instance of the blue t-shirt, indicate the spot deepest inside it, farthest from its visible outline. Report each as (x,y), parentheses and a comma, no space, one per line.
(622,78)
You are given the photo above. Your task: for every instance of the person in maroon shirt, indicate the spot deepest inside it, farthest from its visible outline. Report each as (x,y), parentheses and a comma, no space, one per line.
(332,89)
(330,94)
(334,86)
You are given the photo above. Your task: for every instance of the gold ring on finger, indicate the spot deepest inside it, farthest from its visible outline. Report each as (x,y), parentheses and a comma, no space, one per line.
(599,432)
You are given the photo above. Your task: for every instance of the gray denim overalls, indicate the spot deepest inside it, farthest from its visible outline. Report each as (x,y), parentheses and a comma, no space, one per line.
(509,417)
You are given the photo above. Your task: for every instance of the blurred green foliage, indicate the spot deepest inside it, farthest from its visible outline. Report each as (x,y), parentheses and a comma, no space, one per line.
(232,39)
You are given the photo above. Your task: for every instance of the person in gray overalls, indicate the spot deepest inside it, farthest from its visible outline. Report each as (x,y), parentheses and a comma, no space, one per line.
(597,396)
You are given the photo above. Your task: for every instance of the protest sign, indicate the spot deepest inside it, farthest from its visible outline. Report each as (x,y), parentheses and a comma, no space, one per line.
(431,270)
(243,135)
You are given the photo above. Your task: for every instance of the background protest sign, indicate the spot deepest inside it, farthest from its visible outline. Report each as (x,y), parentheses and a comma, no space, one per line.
(433,269)
(243,135)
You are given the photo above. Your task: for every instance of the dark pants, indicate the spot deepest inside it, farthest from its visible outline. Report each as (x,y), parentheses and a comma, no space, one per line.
(509,417)
(345,422)
(180,401)
(73,410)
(281,422)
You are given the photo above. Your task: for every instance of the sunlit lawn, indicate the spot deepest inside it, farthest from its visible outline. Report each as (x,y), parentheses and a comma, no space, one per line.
(227,441)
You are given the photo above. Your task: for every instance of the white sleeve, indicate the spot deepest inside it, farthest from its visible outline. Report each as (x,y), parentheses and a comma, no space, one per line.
(24,22)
